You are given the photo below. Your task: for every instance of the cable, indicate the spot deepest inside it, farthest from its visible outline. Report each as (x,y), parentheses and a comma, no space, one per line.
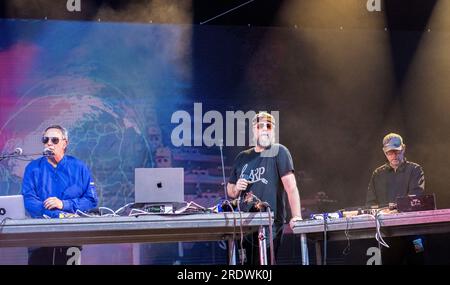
(375,213)
(379,248)
(83,214)
(346,250)
(272,250)
(122,208)
(241,257)
(139,212)
(106,208)
(325,217)
(234,226)
(260,205)
(264,205)
(228,202)
(25,159)
(378,236)
(3,222)
(78,211)
(228,11)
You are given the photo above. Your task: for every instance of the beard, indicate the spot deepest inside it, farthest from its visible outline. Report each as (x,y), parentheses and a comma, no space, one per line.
(264,141)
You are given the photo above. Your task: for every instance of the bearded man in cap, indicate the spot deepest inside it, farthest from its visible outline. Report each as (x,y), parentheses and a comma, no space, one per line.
(266,173)
(398,177)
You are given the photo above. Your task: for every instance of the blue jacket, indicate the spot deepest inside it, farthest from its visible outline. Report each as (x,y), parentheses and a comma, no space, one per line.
(70,182)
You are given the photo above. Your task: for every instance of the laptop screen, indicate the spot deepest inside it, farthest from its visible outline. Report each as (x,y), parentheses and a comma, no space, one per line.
(12,207)
(411,203)
(159,185)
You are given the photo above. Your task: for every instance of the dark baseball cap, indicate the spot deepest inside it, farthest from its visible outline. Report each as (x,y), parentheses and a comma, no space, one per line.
(392,141)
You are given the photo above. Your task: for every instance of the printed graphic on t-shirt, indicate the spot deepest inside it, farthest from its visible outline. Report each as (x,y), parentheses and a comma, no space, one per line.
(255,175)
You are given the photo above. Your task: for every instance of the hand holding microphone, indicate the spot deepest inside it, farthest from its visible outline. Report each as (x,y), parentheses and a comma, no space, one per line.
(243,182)
(241,185)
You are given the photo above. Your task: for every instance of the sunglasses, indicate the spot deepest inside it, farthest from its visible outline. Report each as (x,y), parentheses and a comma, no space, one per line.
(55,140)
(261,125)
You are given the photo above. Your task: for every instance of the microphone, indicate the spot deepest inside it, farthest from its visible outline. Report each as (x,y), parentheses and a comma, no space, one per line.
(48,152)
(18,151)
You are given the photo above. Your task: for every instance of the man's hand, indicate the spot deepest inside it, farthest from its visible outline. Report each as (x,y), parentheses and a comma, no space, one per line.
(293,220)
(241,185)
(234,190)
(53,203)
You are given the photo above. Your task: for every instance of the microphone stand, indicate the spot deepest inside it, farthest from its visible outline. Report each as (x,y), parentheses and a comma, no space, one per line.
(223,172)
(231,244)
(14,155)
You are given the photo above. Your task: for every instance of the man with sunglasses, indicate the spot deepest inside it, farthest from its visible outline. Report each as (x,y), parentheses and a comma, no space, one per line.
(56,186)
(397,178)
(266,173)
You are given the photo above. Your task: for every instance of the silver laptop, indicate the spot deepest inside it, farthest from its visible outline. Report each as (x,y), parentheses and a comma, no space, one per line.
(159,185)
(12,207)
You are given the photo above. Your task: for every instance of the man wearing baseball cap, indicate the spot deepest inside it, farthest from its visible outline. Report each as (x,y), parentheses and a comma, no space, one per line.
(265,171)
(398,177)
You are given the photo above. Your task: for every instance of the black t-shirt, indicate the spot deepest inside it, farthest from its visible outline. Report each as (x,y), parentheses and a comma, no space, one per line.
(265,170)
